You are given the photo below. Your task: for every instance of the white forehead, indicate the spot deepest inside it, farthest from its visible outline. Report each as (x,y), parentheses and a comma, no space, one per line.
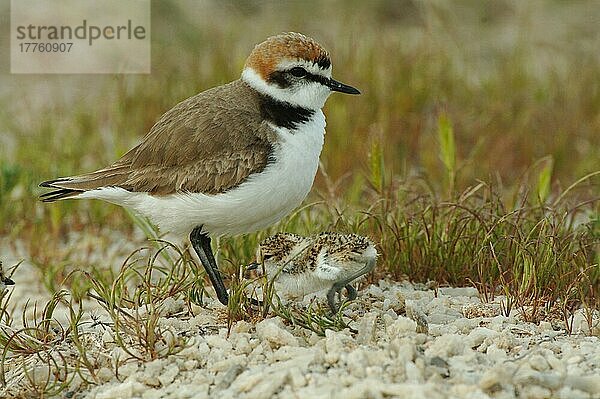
(311,67)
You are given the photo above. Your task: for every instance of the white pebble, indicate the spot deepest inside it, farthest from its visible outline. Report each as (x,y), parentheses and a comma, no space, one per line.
(460,291)
(413,374)
(218,342)
(401,326)
(168,374)
(367,328)
(538,362)
(478,335)
(589,384)
(125,390)
(570,393)
(268,330)
(446,346)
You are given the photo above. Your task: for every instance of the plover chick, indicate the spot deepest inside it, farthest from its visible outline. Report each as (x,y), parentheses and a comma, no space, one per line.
(302,265)
(4,280)
(230,160)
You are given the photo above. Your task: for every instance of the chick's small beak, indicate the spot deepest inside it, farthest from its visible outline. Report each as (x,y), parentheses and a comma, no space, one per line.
(253,266)
(334,85)
(251,269)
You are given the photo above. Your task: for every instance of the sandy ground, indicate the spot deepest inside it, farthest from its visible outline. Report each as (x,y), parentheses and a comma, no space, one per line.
(406,341)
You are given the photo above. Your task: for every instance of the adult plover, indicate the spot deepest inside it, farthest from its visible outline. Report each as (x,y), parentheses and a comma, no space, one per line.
(230,160)
(302,265)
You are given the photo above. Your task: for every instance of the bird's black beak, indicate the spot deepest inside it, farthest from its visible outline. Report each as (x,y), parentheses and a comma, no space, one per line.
(8,281)
(334,85)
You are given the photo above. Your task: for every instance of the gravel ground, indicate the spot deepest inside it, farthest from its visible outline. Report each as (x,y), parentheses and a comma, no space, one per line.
(466,350)
(408,342)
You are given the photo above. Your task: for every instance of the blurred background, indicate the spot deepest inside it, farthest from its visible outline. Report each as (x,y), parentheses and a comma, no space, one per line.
(517,81)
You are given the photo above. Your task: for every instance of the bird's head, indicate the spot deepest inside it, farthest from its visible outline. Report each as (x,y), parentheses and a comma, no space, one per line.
(293,68)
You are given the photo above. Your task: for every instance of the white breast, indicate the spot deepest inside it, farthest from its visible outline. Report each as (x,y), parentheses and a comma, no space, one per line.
(262,200)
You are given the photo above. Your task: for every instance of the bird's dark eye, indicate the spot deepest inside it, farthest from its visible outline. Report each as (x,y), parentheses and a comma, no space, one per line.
(298,72)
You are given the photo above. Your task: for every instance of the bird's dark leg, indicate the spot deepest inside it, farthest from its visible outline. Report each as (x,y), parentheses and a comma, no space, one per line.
(331,297)
(201,243)
(337,287)
(351,292)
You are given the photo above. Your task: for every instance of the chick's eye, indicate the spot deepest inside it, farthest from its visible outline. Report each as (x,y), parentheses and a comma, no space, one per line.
(298,72)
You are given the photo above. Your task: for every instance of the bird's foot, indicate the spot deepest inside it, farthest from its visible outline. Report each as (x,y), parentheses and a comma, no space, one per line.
(337,289)
(351,293)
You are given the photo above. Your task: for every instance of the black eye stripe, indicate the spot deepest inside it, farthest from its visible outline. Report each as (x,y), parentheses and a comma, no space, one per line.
(280,79)
(283,81)
(316,78)
(309,76)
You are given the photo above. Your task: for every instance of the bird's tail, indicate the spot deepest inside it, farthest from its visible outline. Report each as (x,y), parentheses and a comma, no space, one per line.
(60,192)
(71,187)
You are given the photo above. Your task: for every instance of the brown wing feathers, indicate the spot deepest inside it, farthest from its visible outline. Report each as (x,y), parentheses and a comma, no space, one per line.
(198,146)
